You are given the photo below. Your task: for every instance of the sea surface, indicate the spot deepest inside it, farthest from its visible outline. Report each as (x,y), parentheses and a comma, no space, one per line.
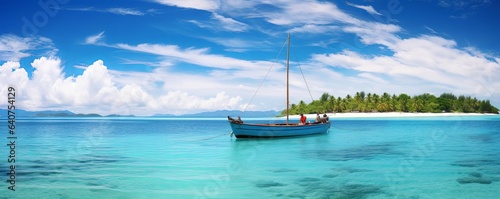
(431,157)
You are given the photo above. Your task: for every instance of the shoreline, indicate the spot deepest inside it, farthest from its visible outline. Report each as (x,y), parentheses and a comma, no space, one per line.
(390,115)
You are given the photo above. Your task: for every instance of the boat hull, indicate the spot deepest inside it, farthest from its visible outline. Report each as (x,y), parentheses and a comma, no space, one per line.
(243,130)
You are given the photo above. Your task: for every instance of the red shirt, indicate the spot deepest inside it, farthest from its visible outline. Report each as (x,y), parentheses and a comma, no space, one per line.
(303,119)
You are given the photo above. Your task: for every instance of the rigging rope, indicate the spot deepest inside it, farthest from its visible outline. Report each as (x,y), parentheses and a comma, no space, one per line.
(262,82)
(303,77)
(267,74)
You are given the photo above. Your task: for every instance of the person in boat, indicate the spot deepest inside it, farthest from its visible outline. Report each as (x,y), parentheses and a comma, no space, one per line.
(318,119)
(325,118)
(303,119)
(237,121)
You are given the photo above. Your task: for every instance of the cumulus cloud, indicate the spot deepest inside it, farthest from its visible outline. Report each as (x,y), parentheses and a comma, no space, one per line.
(96,91)
(11,74)
(49,88)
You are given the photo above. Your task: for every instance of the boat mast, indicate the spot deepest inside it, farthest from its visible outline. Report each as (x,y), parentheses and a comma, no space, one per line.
(287,81)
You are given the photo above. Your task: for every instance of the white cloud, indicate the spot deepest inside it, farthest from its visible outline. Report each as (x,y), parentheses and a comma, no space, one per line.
(235,44)
(372,77)
(200,24)
(283,12)
(175,99)
(95,39)
(125,11)
(375,33)
(432,30)
(310,28)
(14,48)
(219,22)
(208,5)
(321,18)
(200,57)
(308,12)
(164,63)
(461,5)
(299,16)
(368,9)
(11,74)
(429,59)
(50,88)
(117,11)
(229,24)
(97,90)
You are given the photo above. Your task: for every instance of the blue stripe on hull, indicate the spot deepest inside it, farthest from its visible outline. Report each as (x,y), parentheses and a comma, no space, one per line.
(268,131)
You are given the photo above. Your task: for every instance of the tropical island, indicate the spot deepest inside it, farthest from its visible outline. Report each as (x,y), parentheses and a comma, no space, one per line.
(369,103)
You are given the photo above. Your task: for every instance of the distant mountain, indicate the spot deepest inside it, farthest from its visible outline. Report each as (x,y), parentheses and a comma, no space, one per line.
(234,113)
(19,113)
(116,115)
(164,115)
(66,113)
(23,113)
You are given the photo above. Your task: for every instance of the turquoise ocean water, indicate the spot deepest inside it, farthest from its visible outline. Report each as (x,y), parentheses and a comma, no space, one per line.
(436,157)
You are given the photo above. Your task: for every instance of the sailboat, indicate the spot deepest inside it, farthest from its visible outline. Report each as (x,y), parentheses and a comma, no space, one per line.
(264,130)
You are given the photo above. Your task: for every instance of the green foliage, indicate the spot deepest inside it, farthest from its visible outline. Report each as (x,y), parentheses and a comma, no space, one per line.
(368,102)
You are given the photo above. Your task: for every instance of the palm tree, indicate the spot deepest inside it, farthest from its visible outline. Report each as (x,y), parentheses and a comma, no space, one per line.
(324,97)
(375,101)
(338,107)
(348,103)
(331,103)
(301,108)
(293,110)
(394,100)
(362,95)
(445,101)
(385,102)
(368,102)
(403,102)
(417,104)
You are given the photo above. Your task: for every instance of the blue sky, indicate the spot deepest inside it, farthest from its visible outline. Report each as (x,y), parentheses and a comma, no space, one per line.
(169,56)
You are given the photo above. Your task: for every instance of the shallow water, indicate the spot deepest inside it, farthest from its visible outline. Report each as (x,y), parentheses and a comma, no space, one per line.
(438,157)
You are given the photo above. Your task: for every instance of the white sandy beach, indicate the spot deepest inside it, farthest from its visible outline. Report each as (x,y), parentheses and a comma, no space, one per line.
(390,114)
